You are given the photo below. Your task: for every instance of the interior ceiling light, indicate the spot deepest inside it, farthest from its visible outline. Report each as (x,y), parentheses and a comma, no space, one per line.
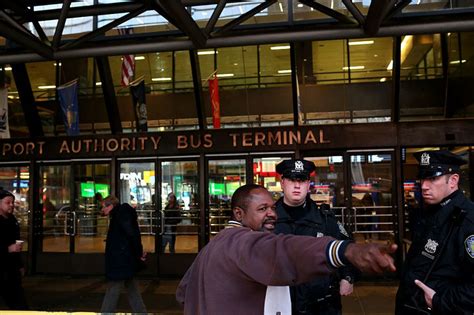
(160,79)
(354,68)
(390,65)
(284,71)
(383,79)
(281,6)
(7,68)
(98,83)
(361,42)
(280,47)
(224,75)
(46,87)
(455,62)
(207,52)
(139,57)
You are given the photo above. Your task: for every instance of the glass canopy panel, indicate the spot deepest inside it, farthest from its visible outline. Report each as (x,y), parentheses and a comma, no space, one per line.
(436,5)
(329,58)
(304,12)
(369,58)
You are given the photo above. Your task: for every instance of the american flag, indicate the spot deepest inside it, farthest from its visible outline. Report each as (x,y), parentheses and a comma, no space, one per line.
(128,61)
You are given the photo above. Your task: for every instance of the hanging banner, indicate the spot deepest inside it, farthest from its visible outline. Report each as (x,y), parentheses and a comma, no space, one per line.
(137,90)
(215,102)
(128,61)
(67,94)
(298,97)
(4,129)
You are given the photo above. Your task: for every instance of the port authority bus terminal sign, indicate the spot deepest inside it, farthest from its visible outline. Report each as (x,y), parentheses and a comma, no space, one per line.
(175,143)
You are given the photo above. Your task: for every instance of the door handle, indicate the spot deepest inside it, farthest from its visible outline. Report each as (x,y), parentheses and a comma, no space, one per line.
(162,230)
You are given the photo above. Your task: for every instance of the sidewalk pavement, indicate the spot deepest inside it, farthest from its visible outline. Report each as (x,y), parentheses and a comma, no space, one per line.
(77,294)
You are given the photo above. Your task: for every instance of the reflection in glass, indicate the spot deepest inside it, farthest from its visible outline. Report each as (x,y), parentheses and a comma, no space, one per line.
(264,174)
(225,176)
(92,184)
(137,188)
(55,181)
(180,221)
(372,202)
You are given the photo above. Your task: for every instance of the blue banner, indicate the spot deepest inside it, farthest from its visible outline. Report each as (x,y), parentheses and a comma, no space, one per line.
(69,107)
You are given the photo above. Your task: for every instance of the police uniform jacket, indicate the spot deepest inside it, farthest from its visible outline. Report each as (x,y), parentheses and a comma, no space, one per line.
(123,248)
(316,222)
(453,275)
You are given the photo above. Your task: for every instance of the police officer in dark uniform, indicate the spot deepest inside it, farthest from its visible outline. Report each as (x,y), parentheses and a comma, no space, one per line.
(299,215)
(441,257)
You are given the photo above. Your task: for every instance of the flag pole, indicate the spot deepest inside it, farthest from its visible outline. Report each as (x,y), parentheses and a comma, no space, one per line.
(213,73)
(137,80)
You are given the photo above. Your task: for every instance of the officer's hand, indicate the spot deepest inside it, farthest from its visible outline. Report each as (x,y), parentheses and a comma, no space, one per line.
(371,258)
(429,292)
(345,287)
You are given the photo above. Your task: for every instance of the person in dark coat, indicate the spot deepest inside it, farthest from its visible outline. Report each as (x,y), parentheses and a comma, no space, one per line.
(438,274)
(298,214)
(124,255)
(11,267)
(172,218)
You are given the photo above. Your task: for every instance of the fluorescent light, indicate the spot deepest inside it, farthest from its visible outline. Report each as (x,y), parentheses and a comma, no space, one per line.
(280,47)
(455,62)
(139,57)
(207,52)
(8,68)
(390,65)
(300,5)
(284,71)
(354,68)
(46,87)
(281,6)
(361,42)
(160,79)
(55,64)
(98,83)
(383,79)
(224,75)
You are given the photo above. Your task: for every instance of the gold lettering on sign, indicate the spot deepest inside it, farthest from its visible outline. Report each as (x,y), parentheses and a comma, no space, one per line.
(310,138)
(321,137)
(247,139)
(18,148)
(208,141)
(182,142)
(234,138)
(87,142)
(274,138)
(6,148)
(124,144)
(142,142)
(64,147)
(30,147)
(156,142)
(295,137)
(259,138)
(99,145)
(112,145)
(74,148)
(41,143)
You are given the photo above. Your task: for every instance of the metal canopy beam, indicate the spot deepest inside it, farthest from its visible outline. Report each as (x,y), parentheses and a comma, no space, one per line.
(61,22)
(377,12)
(185,21)
(244,17)
(25,40)
(214,17)
(110,100)
(328,11)
(421,26)
(27,100)
(355,12)
(104,28)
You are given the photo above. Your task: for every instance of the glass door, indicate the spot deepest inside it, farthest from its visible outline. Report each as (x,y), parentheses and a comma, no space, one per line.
(70,206)
(225,176)
(373,206)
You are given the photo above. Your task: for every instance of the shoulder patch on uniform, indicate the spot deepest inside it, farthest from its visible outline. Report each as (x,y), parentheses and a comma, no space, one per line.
(342,229)
(469,243)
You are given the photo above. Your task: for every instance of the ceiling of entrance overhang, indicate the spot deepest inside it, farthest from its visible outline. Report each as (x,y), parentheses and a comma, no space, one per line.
(51,29)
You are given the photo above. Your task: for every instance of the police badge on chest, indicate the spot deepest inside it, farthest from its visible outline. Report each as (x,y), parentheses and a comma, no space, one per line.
(430,249)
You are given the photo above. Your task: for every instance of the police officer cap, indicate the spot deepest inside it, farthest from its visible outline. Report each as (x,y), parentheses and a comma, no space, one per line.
(5,193)
(437,163)
(295,169)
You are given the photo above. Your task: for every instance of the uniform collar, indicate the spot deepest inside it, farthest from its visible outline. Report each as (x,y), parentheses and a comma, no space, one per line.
(311,215)
(447,205)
